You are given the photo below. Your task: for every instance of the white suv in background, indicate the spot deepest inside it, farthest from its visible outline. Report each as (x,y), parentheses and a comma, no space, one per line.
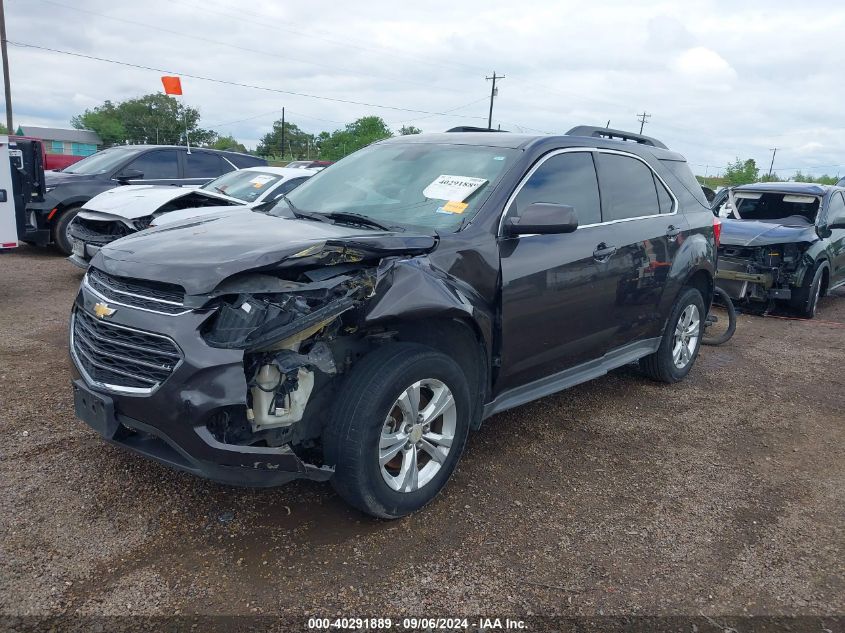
(125,210)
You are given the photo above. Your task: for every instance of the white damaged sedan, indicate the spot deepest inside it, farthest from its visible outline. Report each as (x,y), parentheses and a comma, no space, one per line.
(125,210)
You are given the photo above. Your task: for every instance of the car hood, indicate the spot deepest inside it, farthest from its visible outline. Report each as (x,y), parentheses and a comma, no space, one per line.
(55,178)
(200,254)
(137,201)
(182,215)
(757,233)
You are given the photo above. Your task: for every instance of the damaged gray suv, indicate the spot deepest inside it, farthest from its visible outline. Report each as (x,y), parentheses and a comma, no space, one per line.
(358,330)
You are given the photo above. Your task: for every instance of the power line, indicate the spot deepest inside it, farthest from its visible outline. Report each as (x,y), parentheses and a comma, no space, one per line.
(249,118)
(445,113)
(312,33)
(182,34)
(226,82)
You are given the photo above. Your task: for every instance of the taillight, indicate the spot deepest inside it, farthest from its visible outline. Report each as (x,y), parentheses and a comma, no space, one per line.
(717,230)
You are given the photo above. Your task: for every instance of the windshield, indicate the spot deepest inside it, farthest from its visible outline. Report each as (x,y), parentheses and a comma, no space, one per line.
(415,184)
(787,208)
(243,185)
(101,162)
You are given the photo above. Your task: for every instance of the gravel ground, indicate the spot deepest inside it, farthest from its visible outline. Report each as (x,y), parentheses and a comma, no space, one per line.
(724,494)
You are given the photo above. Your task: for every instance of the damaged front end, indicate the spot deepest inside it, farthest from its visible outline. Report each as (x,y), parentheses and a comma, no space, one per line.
(762,274)
(289,337)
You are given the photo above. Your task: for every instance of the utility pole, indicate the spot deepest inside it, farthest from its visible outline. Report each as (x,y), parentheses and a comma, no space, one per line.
(6,81)
(774,151)
(642,119)
(493,93)
(283,133)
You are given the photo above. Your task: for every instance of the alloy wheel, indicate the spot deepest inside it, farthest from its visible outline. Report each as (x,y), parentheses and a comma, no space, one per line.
(417,435)
(685,339)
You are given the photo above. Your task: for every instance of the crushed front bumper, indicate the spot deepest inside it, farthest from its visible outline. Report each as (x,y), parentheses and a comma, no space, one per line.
(733,277)
(168,421)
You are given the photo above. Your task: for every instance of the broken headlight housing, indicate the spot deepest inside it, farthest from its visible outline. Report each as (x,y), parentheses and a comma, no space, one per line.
(261,321)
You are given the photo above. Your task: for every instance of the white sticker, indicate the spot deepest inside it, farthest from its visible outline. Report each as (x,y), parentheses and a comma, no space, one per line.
(261,179)
(457,188)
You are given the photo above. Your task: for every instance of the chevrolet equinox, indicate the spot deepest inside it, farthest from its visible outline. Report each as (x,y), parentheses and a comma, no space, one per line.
(358,330)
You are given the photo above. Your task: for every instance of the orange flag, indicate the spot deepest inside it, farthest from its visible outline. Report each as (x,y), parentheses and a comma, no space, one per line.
(172,85)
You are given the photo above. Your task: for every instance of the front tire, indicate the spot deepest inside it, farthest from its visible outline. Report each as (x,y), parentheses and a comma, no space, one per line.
(398,429)
(681,341)
(807,300)
(61,237)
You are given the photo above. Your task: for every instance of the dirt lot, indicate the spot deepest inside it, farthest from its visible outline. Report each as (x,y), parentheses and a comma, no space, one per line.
(724,494)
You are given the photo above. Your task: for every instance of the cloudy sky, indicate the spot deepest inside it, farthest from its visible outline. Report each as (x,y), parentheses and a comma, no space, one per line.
(721,79)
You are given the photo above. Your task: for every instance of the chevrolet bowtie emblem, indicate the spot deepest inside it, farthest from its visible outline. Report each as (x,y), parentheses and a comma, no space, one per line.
(102,310)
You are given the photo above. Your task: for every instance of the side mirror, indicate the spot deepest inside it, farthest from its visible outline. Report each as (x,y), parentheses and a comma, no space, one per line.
(543,218)
(129,174)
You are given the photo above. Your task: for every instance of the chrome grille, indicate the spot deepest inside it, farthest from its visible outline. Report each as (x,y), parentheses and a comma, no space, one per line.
(122,358)
(137,293)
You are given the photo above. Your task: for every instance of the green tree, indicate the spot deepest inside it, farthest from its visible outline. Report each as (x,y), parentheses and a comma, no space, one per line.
(298,143)
(154,118)
(821,180)
(741,172)
(409,129)
(229,143)
(354,136)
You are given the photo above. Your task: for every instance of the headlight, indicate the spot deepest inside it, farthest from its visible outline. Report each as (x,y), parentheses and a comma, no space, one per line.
(49,189)
(255,322)
(143,223)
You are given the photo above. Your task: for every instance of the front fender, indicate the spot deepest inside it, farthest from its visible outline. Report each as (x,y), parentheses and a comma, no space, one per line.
(411,289)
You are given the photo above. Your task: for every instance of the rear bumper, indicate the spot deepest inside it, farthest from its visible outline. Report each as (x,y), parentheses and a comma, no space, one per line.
(36,224)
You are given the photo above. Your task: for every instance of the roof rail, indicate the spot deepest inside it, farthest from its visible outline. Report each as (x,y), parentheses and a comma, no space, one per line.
(469,128)
(604,132)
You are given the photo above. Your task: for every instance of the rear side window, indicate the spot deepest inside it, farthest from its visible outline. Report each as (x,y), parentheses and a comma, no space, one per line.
(288,186)
(684,185)
(160,164)
(568,179)
(666,203)
(245,160)
(627,188)
(204,165)
(836,209)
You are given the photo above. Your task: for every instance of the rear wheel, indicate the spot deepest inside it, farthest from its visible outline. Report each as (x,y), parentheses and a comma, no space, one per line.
(681,340)
(61,231)
(398,429)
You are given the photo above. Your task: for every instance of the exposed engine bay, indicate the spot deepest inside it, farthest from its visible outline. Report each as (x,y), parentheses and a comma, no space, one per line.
(761,273)
(764,240)
(296,336)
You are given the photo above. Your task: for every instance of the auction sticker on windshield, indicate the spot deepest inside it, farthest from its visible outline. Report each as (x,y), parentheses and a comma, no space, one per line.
(456,188)
(453,207)
(260,180)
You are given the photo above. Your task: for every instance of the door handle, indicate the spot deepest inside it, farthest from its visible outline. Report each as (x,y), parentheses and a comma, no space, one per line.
(603,252)
(672,231)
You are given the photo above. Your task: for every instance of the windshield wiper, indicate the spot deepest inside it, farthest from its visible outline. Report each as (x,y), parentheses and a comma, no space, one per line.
(298,213)
(358,218)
